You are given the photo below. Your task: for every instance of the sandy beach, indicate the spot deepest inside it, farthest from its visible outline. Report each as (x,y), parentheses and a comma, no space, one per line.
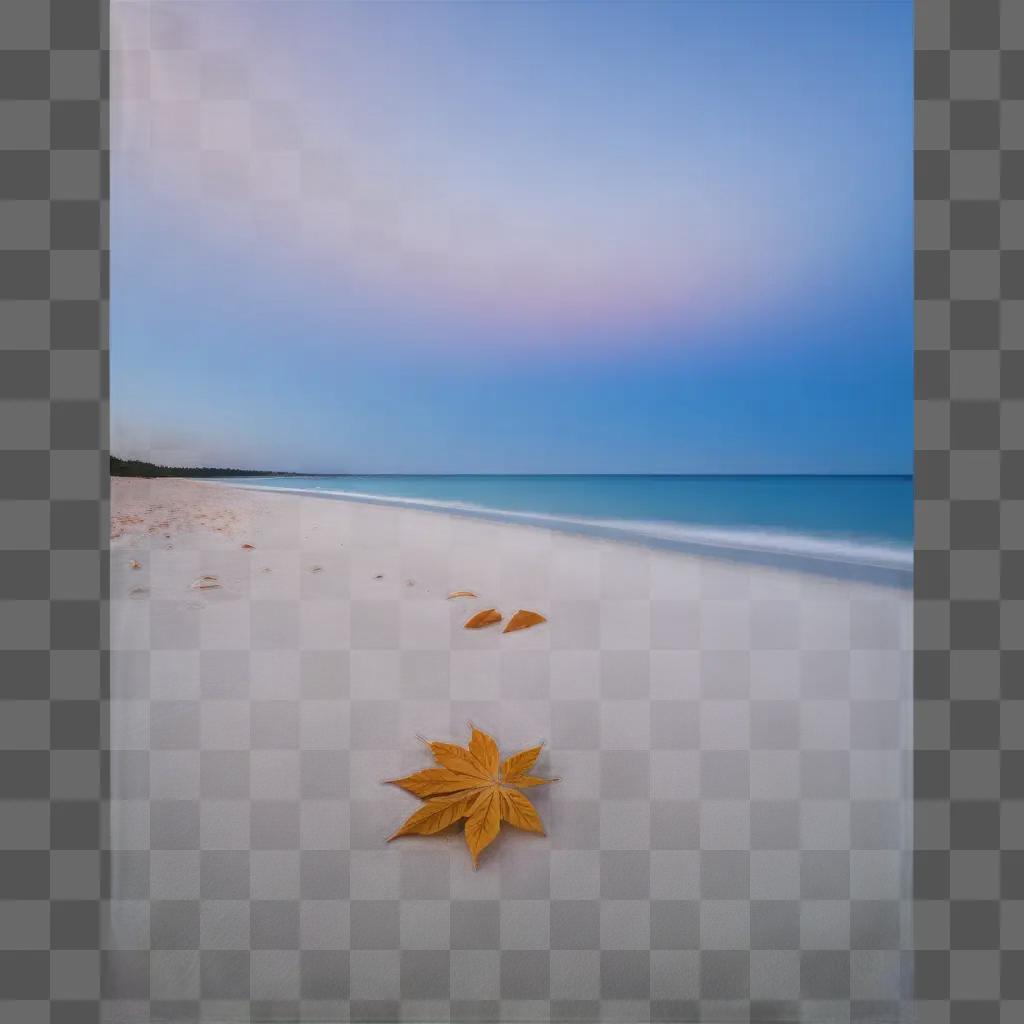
(272,546)
(695,710)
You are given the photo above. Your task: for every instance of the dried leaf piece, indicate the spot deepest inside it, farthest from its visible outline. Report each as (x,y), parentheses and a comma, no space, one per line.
(133,564)
(488,617)
(206,583)
(437,814)
(248,547)
(484,750)
(437,782)
(519,812)
(461,593)
(523,619)
(519,764)
(458,759)
(468,786)
(483,823)
(527,781)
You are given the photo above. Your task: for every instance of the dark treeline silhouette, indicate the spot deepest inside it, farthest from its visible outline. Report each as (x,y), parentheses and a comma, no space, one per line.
(135,467)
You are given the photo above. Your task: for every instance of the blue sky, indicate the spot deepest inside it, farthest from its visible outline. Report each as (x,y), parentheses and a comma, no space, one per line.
(517,237)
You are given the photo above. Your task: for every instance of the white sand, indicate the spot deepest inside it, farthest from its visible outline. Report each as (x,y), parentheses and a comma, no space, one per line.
(369,584)
(658,677)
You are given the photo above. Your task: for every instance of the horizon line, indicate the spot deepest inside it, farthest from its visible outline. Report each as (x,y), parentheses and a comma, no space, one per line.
(666,475)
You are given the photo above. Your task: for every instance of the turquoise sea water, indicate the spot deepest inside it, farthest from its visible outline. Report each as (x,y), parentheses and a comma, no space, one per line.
(847,520)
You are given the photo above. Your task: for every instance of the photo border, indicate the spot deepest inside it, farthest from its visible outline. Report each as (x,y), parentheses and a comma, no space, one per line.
(54,488)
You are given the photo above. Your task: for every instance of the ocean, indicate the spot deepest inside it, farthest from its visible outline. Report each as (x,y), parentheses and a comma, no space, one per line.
(844,523)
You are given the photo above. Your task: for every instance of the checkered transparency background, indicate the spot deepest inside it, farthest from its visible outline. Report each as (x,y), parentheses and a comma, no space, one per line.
(970,415)
(53,283)
(969,609)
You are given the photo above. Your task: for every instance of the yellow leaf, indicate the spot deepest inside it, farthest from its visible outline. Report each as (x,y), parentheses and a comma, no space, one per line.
(523,620)
(483,823)
(519,764)
(461,593)
(519,812)
(484,750)
(436,782)
(488,617)
(437,814)
(466,786)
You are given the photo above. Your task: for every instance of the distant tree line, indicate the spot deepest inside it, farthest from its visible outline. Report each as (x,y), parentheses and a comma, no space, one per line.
(136,467)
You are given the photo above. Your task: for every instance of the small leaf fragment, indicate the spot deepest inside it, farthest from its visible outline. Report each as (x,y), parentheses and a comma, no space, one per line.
(437,814)
(527,781)
(133,564)
(248,547)
(523,619)
(461,593)
(519,812)
(483,823)
(488,617)
(484,750)
(437,782)
(519,764)
(458,759)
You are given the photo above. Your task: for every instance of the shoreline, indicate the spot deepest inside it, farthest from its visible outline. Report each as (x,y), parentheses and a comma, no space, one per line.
(895,572)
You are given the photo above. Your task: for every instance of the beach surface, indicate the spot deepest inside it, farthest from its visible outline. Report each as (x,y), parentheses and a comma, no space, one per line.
(266,545)
(724,734)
